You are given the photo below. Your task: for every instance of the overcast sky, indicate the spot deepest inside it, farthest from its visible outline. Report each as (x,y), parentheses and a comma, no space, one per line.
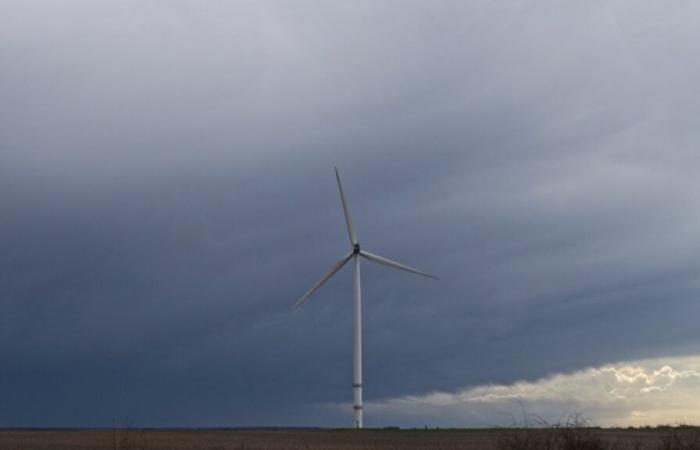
(167,194)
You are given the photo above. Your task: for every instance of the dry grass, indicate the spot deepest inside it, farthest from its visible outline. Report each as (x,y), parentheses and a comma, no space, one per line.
(575,434)
(247,439)
(552,438)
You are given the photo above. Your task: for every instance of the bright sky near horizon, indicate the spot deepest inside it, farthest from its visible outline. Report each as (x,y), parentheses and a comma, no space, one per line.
(636,393)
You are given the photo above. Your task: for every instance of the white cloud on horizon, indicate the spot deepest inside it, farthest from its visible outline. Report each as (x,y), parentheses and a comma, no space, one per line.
(632,393)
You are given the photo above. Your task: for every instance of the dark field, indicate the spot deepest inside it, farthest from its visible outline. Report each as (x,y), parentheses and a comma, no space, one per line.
(652,439)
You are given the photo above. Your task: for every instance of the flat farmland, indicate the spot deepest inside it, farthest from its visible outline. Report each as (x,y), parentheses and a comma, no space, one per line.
(312,439)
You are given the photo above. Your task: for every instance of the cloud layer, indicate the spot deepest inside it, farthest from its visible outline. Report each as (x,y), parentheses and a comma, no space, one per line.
(167,194)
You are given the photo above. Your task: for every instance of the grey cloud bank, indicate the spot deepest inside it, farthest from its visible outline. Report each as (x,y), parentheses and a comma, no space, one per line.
(167,191)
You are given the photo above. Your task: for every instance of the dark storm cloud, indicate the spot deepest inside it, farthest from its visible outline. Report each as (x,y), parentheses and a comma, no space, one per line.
(167,191)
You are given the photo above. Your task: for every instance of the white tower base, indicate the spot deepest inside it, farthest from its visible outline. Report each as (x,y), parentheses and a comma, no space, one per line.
(357,344)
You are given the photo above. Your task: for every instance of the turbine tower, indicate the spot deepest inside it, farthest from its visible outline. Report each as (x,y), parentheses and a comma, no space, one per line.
(355,255)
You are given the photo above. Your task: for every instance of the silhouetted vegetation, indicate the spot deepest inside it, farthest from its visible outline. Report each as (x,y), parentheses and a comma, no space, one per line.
(572,434)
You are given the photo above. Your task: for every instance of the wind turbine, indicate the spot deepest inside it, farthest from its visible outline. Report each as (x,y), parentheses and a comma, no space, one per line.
(355,255)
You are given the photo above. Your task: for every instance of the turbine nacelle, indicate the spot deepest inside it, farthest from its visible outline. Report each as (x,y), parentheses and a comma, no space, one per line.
(356,252)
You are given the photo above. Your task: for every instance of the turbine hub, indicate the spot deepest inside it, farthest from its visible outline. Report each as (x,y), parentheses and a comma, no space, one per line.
(356,249)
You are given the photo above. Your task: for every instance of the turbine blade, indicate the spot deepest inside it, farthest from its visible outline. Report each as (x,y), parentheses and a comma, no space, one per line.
(394,264)
(325,278)
(346,210)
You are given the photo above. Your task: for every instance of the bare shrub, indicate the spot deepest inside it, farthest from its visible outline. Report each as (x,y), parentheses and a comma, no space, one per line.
(574,433)
(679,438)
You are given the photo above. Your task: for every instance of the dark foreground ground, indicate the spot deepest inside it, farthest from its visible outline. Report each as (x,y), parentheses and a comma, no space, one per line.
(496,439)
